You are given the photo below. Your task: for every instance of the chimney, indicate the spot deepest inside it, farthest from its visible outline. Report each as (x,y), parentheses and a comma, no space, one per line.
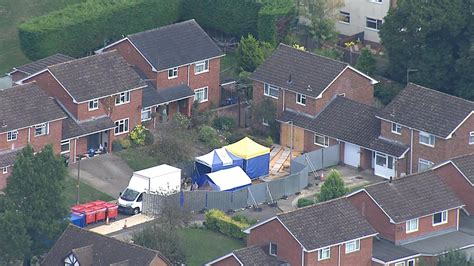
(4,124)
(289,79)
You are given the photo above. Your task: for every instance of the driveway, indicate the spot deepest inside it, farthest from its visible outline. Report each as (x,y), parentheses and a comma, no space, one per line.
(107,173)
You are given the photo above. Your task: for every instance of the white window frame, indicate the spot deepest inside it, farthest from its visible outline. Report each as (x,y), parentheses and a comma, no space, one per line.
(270,249)
(396,128)
(324,254)
(64,142)
(5,170)
(265,122)
(444,218)
(344,14)
(94,103)
(431,139)
(12,135)
(205,91)
(301,99)
(376,1)
(173,73)
(126,126)
(471,138)
(123,98)
(408,223)
(412,262)
(402,263)
(424,162)
(325,140)
(355,244)
(146,111)
(205,67)
(267,88)
(46,129)
(373,20)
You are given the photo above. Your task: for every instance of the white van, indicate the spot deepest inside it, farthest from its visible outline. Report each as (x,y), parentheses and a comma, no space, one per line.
(162,179)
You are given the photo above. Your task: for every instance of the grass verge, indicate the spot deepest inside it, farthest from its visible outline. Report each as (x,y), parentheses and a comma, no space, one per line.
(86,193)
(137,158)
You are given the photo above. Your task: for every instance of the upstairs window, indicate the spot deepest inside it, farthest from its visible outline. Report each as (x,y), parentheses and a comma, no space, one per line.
(396,128)
(65,144)
(424,165)
(270,91)
(41,129)
(471,138)
(273,249)
(440,218)
(93,105)
(344,17)
(321,140)
(427,139)
(353,246)
(201,95)
(12,135)
(201,67)
(373,23)
(146,114)
(324,254)
(172,73)
(412,225)
(122,98)
(301,99)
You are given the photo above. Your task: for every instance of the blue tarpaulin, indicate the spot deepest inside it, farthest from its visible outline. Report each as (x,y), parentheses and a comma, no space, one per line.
(216,160)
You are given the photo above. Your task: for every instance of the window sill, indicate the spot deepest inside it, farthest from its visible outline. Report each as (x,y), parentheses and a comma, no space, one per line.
(11,140)
(120,133)
(144,120)
(270,96)
(438,224)
(300,104)
(203,101)
(93,109)
(321,145)
(428,145)
(36,136)
(371,29)
(352,251)
(344,23)
(397,133)
(173,77)
(409,232)
(197,73)
(118,104)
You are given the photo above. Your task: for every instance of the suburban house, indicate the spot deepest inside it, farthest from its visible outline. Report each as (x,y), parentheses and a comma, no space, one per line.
(458,173)
(434,125)
(363,18)
(303,82)
(355,128)
(78,246)
(181,56)
(417,212)
(27,116)
(328,233)
(253,255)
(102,96)
(21,72)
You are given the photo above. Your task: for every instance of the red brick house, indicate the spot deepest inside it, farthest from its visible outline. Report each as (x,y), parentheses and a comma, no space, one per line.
(458,173)
(329,233)
(434,125)
(302,82)
(180,54)
(21,72)
(27,116)
(252,255)
(102,96)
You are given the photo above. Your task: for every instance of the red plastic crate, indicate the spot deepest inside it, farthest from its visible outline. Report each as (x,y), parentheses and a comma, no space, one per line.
(100,212)
(98,203)
(112,210)
(90,215)
(88,205)
(77,208)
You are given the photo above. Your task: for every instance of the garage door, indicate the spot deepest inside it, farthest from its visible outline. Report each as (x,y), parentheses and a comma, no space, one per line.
(351,154)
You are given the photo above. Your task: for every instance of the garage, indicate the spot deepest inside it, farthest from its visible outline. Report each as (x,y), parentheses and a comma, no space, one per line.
(351,154)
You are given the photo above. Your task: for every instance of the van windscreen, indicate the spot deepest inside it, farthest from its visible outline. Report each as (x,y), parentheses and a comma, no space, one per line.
(129,195)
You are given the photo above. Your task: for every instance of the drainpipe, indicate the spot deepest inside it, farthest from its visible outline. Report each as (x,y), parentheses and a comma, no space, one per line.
(339,256)
(302,256)
(283,100)
(75,150)
(188,74)
(411,151)
(29,135)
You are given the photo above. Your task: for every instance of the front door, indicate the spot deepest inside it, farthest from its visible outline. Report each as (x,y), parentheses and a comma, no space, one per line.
(384,165)
(93,141)
(351,154)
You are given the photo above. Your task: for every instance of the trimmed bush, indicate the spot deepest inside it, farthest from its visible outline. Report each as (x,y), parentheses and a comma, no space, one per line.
(303,202)
(224,123)
(244,219)
(125,143)
(116,145)
(218,221)
(138,135)
(149,138)
(84,27)
(209,136)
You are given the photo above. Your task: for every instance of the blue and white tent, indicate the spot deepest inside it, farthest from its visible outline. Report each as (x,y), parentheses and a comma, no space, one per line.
(228,179)
(216,160)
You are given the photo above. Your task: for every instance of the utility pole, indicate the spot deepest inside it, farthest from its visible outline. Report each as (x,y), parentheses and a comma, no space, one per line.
(78,177)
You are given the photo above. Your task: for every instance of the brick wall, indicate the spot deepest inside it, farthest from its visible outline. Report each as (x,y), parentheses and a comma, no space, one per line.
(229,261)
(363,257)
(4,177)
(463,189)
(131,110)
(288,248)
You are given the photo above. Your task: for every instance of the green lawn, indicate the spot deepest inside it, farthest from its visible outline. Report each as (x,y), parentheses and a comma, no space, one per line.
(204,245)
(137,158)
(86,193)
(13,12)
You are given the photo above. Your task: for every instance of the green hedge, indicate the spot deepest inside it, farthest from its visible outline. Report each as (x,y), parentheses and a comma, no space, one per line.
(218,221)
(274,20)
(81,28)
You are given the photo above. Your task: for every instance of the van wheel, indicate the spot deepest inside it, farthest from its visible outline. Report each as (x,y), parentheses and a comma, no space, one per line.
(136,211)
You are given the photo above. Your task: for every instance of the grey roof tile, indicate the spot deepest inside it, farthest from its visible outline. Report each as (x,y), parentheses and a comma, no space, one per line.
(349,121)
(427,110)
(466,165)
(413,196)
(326,224)
(152,97)
(306,69)
(72,128)
(441,243)
(42,64)
(26,105)
(96,76)
(7,157)
(387,251)
(175,45)
(255,255)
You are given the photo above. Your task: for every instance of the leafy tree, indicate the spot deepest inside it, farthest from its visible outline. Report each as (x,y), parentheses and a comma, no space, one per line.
(455,257)
(434,37)
(34,194)
(333,187)
(265,110)
(14,240)
(366,62)
(329,53)
(252,52)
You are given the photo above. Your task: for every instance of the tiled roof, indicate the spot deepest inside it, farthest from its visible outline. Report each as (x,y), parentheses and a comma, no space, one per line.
(387,251)
(413,196)
(72,128)
(255,255)
(7,157)
(326,224)
(152,97)
(42,64)
(349,121)
(306,69)
(99,249)
(175,45)
(465,164)
(427,110)
(26,105)
(439,244)
(96,76)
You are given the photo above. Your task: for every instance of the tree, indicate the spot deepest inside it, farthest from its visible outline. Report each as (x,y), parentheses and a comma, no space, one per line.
(14,240)
(433,37)
(333,187)
(366,62)
(35,193)
(265,111)
(455,257)
(252,52)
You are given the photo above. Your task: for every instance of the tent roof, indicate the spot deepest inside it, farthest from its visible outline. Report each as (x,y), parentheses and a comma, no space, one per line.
(230,178)
(247,148)
(221,154)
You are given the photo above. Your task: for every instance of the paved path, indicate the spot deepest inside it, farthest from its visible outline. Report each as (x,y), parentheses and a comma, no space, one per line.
(107,173)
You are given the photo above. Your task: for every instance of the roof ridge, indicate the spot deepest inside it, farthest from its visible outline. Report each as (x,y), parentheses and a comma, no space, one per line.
(315,54)
(438,92)
(83,58)
(162,27)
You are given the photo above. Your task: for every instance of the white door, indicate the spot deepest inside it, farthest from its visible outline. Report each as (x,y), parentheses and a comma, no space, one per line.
(351,154)
(384,165)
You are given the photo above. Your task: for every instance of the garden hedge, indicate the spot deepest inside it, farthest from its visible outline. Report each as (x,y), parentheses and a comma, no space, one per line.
(217,220)
(274,19)
(81,28)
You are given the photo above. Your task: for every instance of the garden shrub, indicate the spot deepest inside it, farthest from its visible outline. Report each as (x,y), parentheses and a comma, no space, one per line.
(224,123)
(209,136)
(217,220)
(149,138)
(116,145)
(80,28)
(274,19)
(182,121)
(386,90)
(244,219)
(303,202)
(138,135)
(125,143)
(235,136)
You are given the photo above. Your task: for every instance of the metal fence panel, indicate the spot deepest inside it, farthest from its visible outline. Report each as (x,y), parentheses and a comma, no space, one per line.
(258,194)
(276,188)
(331,156)
(195,200)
